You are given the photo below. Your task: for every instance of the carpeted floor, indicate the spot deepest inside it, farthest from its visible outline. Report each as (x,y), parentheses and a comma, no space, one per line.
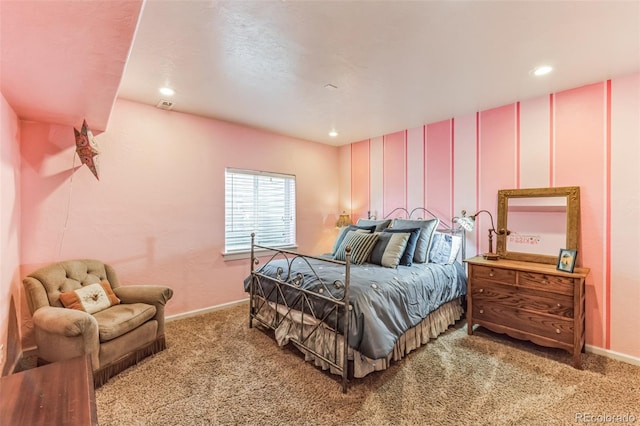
(218,371)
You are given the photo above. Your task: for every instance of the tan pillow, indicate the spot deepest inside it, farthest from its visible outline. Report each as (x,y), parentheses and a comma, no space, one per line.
(90,298)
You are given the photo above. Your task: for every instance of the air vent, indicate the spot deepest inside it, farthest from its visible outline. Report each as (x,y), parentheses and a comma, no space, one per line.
(164,104)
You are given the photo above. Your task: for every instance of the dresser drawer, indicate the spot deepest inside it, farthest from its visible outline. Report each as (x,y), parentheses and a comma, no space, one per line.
(507,276)
(552,327)
(546,282)
(522,298)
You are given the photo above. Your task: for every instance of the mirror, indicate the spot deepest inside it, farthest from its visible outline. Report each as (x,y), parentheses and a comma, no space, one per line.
(540,222)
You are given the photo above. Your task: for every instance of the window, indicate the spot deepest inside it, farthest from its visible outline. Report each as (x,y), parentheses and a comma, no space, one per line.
(259,202)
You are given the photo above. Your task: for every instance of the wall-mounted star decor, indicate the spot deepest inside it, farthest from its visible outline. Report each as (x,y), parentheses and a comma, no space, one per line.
(87,148)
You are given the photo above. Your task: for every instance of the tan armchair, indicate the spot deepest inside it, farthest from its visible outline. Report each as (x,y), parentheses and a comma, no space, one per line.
(116,337)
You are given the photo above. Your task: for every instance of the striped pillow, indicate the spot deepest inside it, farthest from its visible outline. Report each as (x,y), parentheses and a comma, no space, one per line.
(361,246)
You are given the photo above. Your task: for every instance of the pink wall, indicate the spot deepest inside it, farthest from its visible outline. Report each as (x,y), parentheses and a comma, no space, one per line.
(10,286)
(360,204)
(394,172)
(585,137)
(157,213)
(438,168)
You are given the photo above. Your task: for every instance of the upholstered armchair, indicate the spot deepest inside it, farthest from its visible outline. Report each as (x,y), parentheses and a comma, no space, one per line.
(128,324)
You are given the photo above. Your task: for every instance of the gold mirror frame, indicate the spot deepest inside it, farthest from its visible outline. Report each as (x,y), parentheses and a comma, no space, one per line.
(573,220)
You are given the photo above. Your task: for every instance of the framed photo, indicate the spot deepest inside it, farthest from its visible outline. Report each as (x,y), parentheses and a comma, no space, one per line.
(566,260)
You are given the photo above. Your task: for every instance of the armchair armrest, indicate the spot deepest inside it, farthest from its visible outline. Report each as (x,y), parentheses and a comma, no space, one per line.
(63,333)
(152,295)
(63,321)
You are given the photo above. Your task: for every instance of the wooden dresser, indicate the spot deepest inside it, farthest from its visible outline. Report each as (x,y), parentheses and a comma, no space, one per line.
(60,393)
(529,301)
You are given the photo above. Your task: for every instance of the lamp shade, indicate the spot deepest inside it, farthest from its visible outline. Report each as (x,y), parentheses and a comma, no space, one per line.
(467,223)
(343,220)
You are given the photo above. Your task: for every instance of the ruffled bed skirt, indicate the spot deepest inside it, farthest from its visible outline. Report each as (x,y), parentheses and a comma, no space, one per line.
(323,341)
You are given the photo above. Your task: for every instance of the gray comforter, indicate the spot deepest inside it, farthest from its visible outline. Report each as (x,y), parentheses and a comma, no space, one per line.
(386,302)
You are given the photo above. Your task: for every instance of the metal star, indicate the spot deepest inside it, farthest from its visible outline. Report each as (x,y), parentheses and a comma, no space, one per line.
(87,148)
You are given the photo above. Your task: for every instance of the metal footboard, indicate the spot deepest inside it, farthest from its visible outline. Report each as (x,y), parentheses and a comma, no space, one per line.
(267,289)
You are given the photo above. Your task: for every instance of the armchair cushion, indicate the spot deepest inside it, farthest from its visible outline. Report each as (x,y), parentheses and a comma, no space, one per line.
(91,298)
(120,319)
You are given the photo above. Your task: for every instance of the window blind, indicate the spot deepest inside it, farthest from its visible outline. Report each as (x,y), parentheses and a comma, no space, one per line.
(260,202)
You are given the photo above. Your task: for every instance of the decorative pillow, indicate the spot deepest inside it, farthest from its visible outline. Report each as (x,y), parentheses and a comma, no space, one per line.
(389,248)
(410,249)
(361,246)
(427,227)
(343,232)
(380,225)
(445,248)
(90,298)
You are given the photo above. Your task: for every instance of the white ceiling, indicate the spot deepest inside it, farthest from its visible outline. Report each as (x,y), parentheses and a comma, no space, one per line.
(264,64)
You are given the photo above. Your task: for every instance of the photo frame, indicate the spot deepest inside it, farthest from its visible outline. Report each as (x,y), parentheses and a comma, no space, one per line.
(567,260)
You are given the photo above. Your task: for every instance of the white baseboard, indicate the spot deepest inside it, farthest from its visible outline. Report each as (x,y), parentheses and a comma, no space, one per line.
(613,355)
(205,310)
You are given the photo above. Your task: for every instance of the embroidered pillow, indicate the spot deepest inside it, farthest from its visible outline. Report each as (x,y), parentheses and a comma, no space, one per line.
(90,298)
(361,246)
(389,248)
(410,249)
(444,248)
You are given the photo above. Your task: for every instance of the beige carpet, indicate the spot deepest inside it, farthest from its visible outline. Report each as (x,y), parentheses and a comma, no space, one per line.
(218,371)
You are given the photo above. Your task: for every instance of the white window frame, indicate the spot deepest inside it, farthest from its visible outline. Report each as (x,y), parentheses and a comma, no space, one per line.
(251,214)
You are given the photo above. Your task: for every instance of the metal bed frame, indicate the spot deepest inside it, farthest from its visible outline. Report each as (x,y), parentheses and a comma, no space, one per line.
(261,297)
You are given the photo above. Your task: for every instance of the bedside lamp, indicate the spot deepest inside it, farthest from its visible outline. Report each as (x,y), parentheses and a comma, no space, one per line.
(343,220)
(468,223)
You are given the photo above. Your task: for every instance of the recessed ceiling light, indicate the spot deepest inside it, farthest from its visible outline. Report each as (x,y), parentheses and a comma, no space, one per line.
(333,133)
(545,69)
(167,91)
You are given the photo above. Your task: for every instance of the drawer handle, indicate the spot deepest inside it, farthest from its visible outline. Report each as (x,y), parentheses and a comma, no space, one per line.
(491,274)
(559,305)
(482,311)
(557,331)
(481,290)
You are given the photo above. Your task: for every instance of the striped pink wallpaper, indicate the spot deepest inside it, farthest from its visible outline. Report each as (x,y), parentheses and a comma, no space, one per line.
(394,172)
(359,180)
(576,137)
(439,168)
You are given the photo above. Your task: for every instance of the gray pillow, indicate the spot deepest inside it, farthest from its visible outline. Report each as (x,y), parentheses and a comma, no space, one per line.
(427,228)
(379,224)
(389,249)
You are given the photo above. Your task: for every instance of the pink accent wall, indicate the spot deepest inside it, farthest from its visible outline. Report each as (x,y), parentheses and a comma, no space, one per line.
(394,188)
(585,137)
(359,180)
(439,168)
(534,143)
(157,213)
(11,299)
(580,160)
(415,167)
(624,204)
(464,171)
(497,155)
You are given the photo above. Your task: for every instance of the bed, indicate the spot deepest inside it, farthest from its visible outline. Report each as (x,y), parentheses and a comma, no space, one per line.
(389,290)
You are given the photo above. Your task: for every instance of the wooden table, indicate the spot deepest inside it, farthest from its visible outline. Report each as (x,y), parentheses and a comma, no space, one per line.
(60,393)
